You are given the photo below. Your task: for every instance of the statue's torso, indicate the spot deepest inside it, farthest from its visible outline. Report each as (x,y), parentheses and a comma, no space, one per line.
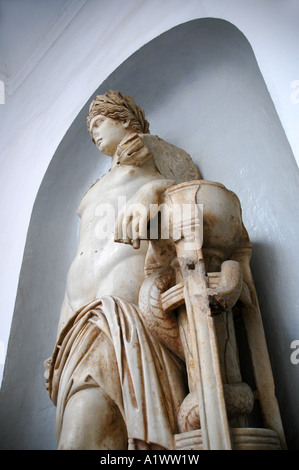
(101,266)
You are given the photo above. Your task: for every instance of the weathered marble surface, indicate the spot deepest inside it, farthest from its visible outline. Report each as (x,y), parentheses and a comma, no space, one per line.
(146,350)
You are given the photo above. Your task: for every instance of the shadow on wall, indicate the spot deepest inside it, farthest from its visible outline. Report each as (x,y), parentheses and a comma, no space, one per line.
(202,90)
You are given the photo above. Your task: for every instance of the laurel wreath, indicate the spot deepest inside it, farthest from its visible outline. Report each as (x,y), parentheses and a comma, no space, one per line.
(119,106)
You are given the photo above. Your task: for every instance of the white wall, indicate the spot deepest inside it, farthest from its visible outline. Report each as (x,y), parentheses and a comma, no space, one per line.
(38,114)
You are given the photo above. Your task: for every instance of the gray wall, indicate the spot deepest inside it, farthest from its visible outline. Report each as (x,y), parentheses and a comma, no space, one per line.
(202,90)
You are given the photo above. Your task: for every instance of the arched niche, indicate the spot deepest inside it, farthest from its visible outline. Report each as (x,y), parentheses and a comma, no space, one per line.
(202,90)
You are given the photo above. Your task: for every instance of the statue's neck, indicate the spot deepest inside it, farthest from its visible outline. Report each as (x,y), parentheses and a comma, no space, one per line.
(114,162)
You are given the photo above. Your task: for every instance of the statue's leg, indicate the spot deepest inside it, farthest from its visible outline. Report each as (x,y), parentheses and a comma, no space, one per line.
(92,421)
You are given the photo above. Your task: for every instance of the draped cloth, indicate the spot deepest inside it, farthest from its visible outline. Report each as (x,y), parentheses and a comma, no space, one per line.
(107,345)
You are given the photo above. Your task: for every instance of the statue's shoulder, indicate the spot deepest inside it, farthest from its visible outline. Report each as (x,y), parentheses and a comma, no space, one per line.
(173,162)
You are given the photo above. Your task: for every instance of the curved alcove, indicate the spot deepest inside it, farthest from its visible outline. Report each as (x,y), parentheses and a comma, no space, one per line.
(202,90)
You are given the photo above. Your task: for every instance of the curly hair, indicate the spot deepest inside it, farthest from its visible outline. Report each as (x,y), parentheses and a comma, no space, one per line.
(119,107)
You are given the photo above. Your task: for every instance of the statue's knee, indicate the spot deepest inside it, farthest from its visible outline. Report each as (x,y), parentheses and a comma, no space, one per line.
(92,421)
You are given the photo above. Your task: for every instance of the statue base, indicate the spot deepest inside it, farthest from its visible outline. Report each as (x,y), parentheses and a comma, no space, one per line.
(242,439)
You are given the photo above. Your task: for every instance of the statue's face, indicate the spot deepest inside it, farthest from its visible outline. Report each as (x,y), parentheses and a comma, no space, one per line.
(107,133)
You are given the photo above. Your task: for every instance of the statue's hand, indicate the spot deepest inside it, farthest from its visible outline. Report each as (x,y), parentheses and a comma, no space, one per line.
(131,223)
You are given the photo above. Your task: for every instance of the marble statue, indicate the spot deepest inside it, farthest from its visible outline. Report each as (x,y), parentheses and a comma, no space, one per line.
(146,354)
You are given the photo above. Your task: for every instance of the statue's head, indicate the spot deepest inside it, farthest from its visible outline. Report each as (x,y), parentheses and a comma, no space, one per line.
(112,117)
